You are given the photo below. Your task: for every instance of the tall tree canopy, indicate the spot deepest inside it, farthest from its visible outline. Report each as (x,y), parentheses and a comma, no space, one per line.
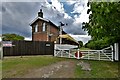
(12,37)
(104,21)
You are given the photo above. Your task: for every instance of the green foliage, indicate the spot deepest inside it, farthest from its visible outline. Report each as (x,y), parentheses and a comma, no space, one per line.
(83,48)
(80,43)
(12,37)
(99,44)
(104,24)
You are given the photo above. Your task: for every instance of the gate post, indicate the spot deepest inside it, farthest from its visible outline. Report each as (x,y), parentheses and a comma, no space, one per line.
(54,49)
(1,55)
(99,55)
(88,55)
(78,55)
(116,48)
(112,52)
(69,54)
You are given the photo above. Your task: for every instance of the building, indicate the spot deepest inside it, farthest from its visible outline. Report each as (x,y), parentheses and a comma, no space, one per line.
(45,30)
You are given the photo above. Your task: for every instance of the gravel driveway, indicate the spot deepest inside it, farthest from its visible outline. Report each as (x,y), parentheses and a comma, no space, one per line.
(64,69)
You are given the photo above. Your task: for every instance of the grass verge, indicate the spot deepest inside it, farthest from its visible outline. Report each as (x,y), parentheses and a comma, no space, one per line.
(16,67)
(100,69)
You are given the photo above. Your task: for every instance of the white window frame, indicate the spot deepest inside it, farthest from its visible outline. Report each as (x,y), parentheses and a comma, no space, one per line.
(36,28)
(44,27)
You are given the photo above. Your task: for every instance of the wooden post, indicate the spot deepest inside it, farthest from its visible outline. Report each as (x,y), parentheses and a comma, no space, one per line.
(69,54)
(88,55)
(78,55)
(55,49)
(61,53)
(1,55)
(99,55)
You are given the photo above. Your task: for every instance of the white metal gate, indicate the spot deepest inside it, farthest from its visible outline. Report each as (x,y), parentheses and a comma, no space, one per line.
(68,51)
(64,50)
(103,54)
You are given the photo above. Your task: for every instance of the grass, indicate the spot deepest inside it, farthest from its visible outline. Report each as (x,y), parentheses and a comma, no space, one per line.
(15,67)
(104,69)
(0,69)
(100,69)
(83,48)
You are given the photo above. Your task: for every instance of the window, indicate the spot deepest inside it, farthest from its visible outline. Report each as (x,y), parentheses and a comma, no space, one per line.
(36,28)
(44,28)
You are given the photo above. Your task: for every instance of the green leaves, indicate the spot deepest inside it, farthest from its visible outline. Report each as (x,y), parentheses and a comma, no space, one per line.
(104,21)
(12,37)
(105,15)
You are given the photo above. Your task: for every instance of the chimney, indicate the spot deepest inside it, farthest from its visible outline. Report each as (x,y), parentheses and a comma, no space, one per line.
(40,14)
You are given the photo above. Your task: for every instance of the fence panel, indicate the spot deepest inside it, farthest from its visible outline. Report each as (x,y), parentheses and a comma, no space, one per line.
(29,48)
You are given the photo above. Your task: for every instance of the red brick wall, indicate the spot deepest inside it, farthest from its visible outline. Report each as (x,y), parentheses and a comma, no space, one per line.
(39,37)
(40,25)
(43,36)
(55,32)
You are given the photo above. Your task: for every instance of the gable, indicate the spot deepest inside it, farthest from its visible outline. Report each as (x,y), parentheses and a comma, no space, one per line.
(38,18)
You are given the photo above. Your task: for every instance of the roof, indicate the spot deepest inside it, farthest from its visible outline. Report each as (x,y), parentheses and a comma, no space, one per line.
(46,20)
(68,37)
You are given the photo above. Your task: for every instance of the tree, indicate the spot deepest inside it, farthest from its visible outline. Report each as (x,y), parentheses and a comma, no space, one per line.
(98,44)
(104,22)
(12,37)
(80,43)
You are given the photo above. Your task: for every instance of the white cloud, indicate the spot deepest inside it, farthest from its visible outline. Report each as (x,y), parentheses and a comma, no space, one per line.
(56,13)
(58,5)
(0,18)
(81,8)
(84,17)
(78,7)
(70,2)
(67,16)
(84,38)
(18,16)
(28,39)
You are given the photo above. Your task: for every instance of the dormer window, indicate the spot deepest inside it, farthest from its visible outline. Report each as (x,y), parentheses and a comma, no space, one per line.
(36,28)
(44,27)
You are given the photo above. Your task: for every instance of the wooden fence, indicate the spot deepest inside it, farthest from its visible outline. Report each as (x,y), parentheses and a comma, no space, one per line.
(20,48)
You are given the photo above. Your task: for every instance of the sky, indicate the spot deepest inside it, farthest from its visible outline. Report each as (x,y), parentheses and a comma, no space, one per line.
(15,17)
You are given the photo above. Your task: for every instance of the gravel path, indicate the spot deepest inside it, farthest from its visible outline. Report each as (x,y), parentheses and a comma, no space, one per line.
(64,69)
(85,66)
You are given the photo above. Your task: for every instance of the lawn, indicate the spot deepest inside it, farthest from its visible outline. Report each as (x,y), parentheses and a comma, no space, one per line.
(100,69)
(0,69)
(16,67)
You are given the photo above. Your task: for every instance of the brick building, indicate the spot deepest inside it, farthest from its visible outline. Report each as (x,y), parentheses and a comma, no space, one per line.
(45,30)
